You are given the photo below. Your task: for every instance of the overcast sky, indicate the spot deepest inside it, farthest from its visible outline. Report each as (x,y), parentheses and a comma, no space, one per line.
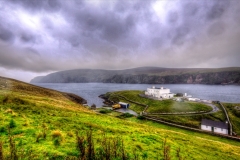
(43,36)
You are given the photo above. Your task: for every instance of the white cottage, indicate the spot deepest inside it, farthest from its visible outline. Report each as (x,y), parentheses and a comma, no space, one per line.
(214,126)
(159,92)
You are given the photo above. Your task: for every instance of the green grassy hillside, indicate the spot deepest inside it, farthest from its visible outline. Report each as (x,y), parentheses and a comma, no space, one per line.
(168,106)
(37,123)
(156,106)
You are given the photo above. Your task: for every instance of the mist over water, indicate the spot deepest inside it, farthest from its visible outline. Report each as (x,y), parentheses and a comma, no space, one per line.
(91,91)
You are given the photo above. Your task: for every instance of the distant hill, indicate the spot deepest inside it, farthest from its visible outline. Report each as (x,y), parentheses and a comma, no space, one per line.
(146,75)
(38,78)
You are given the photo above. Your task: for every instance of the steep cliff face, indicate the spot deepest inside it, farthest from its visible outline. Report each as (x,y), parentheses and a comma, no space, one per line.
(204,78)
(146,75)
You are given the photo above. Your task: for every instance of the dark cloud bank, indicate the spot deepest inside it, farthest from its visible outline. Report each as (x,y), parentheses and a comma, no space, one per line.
(51,35)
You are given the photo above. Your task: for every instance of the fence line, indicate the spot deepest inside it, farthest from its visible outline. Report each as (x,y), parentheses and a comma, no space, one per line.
(192,129)
(226,114)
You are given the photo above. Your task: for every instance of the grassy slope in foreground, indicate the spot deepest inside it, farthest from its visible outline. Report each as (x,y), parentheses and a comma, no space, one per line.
(51,112)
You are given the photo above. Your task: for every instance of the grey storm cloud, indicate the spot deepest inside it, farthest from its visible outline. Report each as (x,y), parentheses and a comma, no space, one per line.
(5,34)
(51,35)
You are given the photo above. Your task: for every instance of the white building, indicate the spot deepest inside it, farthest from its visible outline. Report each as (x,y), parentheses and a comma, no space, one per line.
(159,92)
(193,99)
(214,126)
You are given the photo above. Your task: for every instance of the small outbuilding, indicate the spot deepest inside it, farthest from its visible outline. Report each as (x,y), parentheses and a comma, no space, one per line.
(193,99)
(214,126)
(124,105)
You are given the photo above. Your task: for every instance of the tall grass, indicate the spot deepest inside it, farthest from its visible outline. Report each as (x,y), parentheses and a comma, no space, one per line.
(1,150)
(13,149)
(108,148)
(166,150)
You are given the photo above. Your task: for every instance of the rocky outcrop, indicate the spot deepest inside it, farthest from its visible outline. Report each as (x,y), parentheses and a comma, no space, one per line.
(146,75)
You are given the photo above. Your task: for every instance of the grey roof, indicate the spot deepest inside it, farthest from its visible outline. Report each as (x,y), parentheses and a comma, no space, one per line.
(217,124)
(160,88)
(123,103)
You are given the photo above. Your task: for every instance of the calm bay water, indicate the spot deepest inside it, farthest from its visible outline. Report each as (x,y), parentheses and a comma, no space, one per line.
(91,91)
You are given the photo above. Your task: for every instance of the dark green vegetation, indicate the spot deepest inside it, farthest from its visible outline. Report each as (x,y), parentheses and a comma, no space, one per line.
(147,75)
(234,115)
(47,124)
(125,115)
(155,106)
(104,111)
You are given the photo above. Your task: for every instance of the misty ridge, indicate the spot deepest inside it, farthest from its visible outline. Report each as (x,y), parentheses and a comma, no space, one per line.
(146,75)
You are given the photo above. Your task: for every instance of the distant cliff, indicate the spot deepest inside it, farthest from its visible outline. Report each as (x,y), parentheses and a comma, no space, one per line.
(147,75)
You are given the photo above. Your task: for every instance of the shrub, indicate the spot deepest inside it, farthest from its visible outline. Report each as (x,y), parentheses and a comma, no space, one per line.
(57,137)
(26,123)
(44,130)
(56,134)
(39,135)
(145,155)
(5,99)
(93,106)
(12,124)
(18,131)
(236,112)
(2,130)
(141,117)
(126,115)
(20,143)
(70,134)
(1,150)
(57,141)
(105,111)
(44,134)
